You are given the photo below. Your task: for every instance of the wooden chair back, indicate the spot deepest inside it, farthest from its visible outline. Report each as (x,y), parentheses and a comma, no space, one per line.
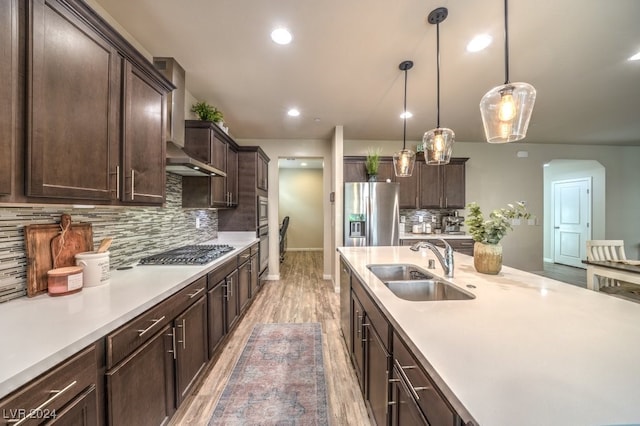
(605,250)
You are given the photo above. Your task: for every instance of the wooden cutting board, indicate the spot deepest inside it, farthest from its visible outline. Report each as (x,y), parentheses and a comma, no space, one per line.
(38,238)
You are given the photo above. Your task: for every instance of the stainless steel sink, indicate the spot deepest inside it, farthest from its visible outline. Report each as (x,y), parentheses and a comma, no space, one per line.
(410,282)
(427,290)
(399,272)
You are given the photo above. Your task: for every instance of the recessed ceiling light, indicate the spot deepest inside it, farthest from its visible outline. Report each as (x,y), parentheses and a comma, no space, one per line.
(293,112)
(635,57)
(281,36)
(303,164)
(406,114)
(479,42)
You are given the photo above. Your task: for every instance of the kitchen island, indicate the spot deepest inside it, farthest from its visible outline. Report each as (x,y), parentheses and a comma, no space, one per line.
(526,350)
(40,332)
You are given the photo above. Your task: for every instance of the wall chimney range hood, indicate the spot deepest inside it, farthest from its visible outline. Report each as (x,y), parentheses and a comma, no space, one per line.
(180,163)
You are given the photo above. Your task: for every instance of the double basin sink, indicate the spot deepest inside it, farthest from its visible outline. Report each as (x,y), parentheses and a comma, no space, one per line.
(410,282)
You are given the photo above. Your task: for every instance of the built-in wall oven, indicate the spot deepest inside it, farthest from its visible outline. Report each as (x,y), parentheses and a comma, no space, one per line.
(263,211)
(263,234)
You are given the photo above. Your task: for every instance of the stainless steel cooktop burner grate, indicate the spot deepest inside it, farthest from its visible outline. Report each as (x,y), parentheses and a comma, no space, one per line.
(188,255)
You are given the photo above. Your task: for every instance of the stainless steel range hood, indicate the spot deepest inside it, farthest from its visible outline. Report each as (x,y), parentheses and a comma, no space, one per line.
(180,163)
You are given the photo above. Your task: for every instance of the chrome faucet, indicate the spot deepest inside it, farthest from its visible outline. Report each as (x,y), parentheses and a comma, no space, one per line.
(446,261)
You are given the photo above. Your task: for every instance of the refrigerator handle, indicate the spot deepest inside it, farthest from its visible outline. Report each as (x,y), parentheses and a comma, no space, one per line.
(367,230)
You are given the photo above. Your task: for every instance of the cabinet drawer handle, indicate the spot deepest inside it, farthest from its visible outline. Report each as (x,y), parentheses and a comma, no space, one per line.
(364,325)
(413,389)
(133,182)
(39,408)
(154,321)
(173,342)
(194,294)
(183,326)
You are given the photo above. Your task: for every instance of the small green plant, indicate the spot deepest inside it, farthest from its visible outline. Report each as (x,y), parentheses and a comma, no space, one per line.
(373,161)
(491,231)
(206,112)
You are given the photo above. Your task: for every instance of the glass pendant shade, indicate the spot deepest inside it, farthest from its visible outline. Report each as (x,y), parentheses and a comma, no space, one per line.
(438,145)
(506,111)
(405,159)
(403,162)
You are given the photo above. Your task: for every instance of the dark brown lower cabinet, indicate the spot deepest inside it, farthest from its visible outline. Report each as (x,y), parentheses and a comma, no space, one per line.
(79,412)
(357,343)
(254,270)
(244,279)
(192,352)
(403,407)
(140,390)
(217,316)
(65,395)
(231,294)
(377,376)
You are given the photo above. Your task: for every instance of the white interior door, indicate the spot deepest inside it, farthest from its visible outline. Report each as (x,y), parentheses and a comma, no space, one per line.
(572,221)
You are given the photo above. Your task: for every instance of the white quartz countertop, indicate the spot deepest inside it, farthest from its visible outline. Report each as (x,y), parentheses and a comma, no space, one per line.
(412,236)
(40,332)
(527,350)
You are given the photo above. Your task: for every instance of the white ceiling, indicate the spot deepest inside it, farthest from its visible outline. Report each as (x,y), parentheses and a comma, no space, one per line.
(342,66)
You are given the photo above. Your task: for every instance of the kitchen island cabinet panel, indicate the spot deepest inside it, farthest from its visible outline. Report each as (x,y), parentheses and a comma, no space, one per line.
(431,403)
(73,87)
(140,390)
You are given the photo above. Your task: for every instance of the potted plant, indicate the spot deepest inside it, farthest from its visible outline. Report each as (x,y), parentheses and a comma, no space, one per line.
(206,112)
(487,251)
(372,163)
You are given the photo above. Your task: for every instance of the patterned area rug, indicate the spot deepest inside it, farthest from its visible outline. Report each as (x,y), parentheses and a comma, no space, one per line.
(278,380)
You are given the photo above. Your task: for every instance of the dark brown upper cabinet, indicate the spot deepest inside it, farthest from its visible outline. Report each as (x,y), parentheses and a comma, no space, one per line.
(143,141)
(429,187)
(443,187)
(9,41)
(95,108)
(206,142)
(73,80)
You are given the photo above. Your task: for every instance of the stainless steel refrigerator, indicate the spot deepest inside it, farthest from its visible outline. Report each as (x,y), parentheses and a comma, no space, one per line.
(371,214)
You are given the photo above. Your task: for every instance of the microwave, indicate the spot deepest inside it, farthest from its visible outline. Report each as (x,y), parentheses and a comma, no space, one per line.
(263,211)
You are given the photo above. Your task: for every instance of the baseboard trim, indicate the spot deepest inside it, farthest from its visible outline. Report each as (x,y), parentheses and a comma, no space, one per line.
(272,277)
(327,277)
(545,259)
(303,249)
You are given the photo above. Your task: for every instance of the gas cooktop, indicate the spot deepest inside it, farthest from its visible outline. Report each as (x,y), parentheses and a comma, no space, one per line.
(188,255)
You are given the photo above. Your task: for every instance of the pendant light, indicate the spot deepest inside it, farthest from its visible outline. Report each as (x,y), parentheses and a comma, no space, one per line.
(438,142)
(506,109)
(405,159)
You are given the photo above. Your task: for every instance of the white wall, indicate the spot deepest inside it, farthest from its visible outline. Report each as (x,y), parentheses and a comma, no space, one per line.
(301,199)
(495,176)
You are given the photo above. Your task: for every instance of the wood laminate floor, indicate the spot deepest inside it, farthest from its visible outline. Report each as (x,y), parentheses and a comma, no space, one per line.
(301,295)
(564,273)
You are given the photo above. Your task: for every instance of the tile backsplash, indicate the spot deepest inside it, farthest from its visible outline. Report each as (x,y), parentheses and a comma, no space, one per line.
(136,232)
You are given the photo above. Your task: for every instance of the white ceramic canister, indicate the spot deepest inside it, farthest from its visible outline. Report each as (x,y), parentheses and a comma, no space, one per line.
(96,267)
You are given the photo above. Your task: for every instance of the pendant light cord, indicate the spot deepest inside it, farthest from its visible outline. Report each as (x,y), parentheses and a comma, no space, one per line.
(404,113)
(506,44)
(438,74)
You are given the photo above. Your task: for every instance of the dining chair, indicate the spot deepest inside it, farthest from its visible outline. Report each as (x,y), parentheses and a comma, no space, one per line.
(606,250)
